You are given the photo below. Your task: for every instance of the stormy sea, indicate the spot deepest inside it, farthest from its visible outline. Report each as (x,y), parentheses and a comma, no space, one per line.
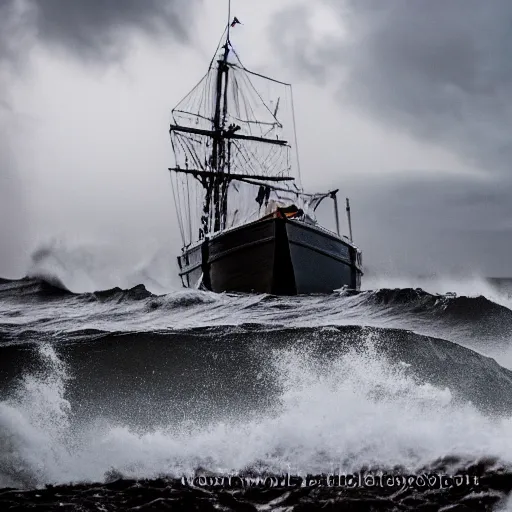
(397,397)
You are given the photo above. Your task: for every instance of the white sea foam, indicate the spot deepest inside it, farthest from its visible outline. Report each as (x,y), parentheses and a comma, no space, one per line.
(356,410)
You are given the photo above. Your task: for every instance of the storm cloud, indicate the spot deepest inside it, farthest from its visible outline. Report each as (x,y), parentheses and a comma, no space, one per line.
(432,71)
(440,71)
(402,71)
(90,29)
(92,32)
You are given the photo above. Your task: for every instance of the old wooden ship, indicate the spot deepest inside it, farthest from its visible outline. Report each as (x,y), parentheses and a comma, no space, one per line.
(246,223)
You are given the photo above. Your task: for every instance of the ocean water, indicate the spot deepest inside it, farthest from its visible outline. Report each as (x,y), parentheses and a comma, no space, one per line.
(126,382)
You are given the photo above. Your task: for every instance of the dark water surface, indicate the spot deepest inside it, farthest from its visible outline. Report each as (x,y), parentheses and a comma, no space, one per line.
(124,384)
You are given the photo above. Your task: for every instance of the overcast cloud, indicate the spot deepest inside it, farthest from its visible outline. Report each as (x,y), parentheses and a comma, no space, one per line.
(92,32)
(438,69)
(403,105)
(440,72)
(92,28)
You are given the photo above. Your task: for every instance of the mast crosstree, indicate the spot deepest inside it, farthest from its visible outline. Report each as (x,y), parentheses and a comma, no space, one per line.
(229,135)
(224,131)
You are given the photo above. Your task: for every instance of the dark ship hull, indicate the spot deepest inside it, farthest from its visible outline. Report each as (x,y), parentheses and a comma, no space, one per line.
(278,256)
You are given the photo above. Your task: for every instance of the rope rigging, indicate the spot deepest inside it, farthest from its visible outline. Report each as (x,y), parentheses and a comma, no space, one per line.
(229,145)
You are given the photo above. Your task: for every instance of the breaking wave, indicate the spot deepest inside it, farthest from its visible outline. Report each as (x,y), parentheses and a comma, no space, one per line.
(479,322)
(136,383)
(353,411)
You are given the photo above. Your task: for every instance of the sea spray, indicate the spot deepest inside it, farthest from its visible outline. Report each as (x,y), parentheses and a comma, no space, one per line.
(344,413)
(34,423)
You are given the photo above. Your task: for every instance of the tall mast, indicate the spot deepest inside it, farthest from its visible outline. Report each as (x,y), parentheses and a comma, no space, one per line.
(215,145)
(229,17)
(220,182)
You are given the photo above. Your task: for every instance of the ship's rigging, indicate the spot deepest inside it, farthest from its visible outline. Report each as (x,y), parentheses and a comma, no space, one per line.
(229,137)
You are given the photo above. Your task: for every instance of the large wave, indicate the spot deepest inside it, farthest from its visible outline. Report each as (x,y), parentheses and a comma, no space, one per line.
(479,322)
(323,411)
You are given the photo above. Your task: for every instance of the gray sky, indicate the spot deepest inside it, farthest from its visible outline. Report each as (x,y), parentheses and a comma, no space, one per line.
(434,71)
(403,105)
